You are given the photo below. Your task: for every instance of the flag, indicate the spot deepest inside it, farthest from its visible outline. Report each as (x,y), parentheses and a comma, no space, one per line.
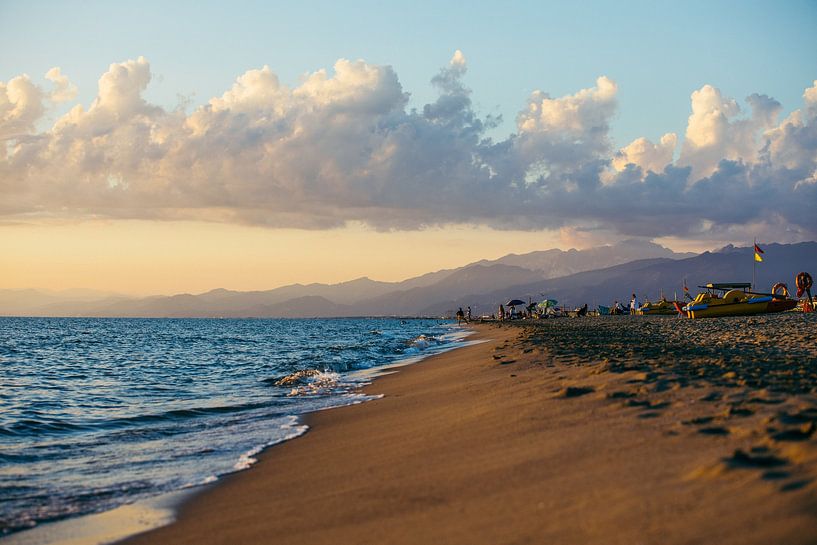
(758,251)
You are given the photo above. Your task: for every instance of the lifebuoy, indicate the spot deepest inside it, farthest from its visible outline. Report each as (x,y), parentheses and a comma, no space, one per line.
(804,283)
(780,286)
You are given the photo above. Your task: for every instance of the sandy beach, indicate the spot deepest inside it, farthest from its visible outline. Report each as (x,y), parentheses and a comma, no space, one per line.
(619,430)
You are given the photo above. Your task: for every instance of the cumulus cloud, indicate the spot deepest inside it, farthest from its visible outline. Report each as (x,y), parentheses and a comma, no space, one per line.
(715,131)
(64,90)
(343,146)
(646,155)
(21,105)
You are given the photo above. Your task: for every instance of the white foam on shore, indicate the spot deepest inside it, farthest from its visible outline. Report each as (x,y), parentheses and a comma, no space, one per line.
(138,517)
(321,383)
(249,458)
(144,515)
(106,527)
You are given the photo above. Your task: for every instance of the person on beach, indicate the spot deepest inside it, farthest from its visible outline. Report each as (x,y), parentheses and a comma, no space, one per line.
(468,315)
(501,312)
(633,305)
(460,316)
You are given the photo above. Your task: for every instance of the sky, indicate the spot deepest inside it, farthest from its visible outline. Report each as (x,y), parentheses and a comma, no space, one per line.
(162,147)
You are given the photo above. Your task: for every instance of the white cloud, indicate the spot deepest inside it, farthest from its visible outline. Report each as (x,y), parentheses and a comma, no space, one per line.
(21,105)
(571,115)
(646,155)
(64,90)
(342,147)
(715,132)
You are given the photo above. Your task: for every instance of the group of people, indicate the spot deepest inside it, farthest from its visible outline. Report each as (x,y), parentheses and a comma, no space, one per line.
(512,314)
(617,307)
(462,316)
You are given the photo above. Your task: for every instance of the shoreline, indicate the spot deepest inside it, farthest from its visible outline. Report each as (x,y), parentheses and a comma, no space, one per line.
(543,433)
(132,519)
(508,442)
(313,420)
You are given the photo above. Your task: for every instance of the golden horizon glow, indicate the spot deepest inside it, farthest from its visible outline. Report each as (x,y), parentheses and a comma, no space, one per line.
(138,257)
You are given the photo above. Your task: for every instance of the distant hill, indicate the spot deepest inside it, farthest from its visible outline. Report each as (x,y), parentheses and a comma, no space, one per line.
(557,263)
(649,278)
(481,285)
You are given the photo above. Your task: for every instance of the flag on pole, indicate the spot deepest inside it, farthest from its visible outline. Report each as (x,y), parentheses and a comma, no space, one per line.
(758,251)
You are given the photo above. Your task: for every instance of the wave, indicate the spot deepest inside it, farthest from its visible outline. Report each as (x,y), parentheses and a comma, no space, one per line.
(52,426)
(166,404)
(247,459)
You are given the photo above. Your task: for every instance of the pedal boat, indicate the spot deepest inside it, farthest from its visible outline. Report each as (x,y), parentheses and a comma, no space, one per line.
(736,300)
(661,308)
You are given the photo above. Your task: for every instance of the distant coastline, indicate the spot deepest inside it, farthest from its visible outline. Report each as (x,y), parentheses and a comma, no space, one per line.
(596,276)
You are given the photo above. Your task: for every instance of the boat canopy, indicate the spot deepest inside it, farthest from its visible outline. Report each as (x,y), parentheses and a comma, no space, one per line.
(728,286)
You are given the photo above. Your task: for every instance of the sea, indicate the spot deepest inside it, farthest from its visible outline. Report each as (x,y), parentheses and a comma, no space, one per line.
(97,413)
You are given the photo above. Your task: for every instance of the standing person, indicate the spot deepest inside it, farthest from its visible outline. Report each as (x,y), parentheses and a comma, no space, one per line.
(501,312)
(460,316)
(633,305)
(468,315)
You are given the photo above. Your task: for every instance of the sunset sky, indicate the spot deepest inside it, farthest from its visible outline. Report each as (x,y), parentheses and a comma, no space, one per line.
(152,148)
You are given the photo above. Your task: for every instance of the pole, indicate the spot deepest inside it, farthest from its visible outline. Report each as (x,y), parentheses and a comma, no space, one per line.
(754,263)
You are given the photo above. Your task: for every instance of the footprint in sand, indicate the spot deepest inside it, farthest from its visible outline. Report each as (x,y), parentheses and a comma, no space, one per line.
(649,414)
(803,433)
(735,410)
(620,395)
(699,421)
(759,459)
(796,485)
(714,430)
(574,391)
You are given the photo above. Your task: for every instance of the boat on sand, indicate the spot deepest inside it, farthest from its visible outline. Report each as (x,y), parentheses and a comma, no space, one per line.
(737,299)
(660,308)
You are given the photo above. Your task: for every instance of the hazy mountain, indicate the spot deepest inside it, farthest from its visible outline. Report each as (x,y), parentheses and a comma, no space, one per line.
(556,263)
(482,285)
(31,302)
(342,293)
(649,278)
(459,283)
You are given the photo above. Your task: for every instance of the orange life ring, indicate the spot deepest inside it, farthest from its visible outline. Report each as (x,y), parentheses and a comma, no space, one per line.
(779,286)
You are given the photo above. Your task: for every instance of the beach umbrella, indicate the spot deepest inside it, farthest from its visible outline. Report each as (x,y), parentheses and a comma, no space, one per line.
(514,303)
(547,303)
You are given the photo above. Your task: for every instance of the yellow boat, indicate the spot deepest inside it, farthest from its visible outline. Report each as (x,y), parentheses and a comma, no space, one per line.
(661,308)
(737,300)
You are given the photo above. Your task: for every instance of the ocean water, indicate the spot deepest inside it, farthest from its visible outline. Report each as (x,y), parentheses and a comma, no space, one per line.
(95,413)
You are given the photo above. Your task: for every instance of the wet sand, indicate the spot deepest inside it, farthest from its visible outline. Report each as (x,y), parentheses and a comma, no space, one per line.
(595,430)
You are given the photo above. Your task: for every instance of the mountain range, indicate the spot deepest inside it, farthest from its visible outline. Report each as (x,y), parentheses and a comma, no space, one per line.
(594,276)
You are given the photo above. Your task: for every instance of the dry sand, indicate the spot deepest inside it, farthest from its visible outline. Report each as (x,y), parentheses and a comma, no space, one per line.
(606,430)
